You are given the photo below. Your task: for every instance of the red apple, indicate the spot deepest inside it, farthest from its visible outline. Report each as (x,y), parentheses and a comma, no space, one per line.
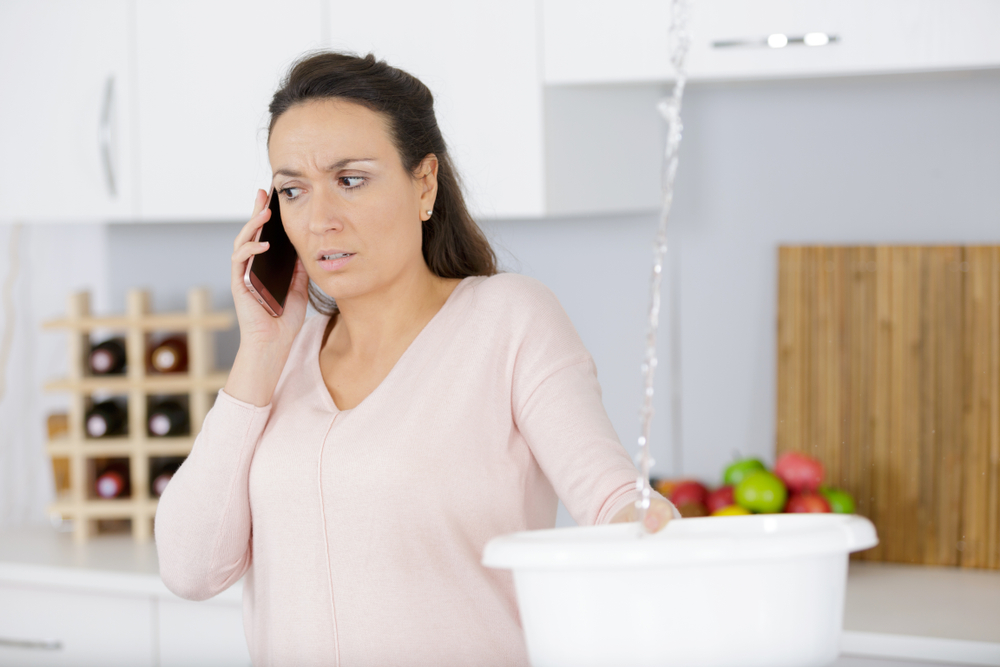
(721,497)
(799,472)
(805,503)
(688,492)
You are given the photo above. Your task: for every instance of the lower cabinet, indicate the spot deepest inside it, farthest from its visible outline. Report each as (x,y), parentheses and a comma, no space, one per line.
(51,626)
(201,633)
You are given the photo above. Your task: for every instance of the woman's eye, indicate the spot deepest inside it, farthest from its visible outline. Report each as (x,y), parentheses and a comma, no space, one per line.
(352,182)
(290,193)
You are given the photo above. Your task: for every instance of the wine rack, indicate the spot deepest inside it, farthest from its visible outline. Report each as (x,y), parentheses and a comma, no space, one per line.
(73,449)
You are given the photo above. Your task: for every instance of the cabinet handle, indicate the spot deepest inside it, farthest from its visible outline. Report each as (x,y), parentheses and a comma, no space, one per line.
(41,644)
(104,135)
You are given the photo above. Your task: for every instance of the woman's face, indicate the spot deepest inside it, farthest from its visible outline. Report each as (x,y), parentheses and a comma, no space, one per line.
(352,211)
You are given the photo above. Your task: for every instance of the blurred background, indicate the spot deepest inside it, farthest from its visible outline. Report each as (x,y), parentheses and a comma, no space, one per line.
(132,142)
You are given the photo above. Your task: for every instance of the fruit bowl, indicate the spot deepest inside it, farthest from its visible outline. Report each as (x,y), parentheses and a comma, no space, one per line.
(730,591)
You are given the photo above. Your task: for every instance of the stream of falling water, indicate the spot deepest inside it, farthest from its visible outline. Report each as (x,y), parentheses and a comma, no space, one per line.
(670,108)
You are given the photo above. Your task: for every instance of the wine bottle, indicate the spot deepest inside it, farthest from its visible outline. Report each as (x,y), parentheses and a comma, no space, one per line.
(159,484)
(162,474)
(170,355)
(168,418)
(105,419)
(113,480)
(108,358)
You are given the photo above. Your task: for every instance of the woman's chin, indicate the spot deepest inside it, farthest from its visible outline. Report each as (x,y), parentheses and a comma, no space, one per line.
(341,287)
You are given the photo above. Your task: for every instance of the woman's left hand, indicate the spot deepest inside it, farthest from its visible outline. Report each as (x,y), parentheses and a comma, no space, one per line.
(658,515)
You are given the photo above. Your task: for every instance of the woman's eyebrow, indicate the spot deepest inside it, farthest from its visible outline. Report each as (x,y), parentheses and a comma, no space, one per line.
(340,164)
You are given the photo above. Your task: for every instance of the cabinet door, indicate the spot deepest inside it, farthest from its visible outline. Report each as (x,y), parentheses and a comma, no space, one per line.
(202,633)
(206,73)
(40,626)
(480,61)
(65,136)
(872,37)
(587,41)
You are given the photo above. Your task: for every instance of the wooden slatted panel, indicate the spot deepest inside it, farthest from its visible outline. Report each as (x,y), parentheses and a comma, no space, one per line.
(889,372)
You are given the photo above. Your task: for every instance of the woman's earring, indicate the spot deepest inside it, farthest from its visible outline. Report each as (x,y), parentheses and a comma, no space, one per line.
(429,212)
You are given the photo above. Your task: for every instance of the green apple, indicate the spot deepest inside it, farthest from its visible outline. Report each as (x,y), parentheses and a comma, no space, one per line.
(841,502)
(761,491)
(736,471)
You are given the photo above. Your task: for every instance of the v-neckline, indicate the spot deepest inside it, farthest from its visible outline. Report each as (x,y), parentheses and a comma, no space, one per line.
(318,369)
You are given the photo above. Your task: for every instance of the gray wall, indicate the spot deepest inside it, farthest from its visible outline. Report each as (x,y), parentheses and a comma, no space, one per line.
(907,159)
(901,160)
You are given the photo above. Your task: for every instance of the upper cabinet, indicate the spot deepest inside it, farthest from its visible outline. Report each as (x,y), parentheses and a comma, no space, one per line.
(587,41)
(144,110)
(66,121)
(206,72)
(481,62)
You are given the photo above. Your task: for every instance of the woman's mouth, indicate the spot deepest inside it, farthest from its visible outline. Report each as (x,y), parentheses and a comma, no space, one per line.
(334,260)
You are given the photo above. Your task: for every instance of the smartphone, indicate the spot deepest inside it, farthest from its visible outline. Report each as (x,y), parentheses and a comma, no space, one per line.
(269,274)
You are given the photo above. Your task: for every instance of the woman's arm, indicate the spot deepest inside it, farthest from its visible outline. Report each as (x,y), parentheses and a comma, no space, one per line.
(558,409)
(571,437)
(203,522)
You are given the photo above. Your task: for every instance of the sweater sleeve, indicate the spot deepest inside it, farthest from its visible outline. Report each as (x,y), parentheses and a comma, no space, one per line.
(571,437)
(203,526)
(558,409)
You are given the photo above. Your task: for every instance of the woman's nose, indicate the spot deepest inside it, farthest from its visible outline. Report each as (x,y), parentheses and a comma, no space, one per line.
(326,212)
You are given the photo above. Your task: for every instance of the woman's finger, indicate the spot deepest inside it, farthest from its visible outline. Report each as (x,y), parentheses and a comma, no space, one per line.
(258,202)
(249,249)
(242,254)
(261,215)
(658,515)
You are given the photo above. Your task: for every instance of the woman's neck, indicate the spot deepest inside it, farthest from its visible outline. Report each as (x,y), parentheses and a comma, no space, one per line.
(379,322)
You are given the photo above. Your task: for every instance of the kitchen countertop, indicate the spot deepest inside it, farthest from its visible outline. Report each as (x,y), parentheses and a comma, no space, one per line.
(111,564)
(945,614)
(942,615)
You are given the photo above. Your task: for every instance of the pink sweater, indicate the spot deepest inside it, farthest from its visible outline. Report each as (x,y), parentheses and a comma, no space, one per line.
(360,531)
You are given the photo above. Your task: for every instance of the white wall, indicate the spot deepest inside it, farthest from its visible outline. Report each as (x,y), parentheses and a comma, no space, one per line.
(39,266)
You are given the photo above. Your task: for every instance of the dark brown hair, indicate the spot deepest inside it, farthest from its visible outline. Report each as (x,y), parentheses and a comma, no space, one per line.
(453,244)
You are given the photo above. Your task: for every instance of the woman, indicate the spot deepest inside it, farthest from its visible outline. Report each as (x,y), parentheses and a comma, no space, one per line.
(356,463)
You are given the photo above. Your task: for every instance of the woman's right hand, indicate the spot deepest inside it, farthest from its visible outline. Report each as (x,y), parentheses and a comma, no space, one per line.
(265,340)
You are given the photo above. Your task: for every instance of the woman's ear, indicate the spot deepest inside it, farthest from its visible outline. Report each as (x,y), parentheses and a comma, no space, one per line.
(426,179)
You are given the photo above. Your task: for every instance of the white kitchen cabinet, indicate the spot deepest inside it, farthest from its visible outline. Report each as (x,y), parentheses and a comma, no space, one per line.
(201,633)
(45,626)
(481,62)
(64,623)
(103,604)
(586,41)
(143,110)
(206,72)
(65,115)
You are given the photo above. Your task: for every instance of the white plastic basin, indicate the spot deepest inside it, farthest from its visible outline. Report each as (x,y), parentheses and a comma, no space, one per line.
(743,591)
